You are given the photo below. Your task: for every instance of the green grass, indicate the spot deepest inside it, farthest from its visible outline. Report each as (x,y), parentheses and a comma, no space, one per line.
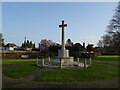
(95,72)
(107,59)
(99,59)
(20,71)
(18,61)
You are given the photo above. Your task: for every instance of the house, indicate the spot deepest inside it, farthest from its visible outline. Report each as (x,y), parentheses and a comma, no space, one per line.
(10,46)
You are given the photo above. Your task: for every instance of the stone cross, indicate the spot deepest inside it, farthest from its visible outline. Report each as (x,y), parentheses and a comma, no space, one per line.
(63,37)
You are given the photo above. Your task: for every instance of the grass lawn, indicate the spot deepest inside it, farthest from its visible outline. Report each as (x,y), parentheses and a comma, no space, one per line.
(25,67)
(99,59)
(95,72)
(21,70)
(18,61)
(108,59)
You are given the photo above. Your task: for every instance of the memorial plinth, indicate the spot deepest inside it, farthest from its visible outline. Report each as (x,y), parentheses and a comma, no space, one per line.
(65,58)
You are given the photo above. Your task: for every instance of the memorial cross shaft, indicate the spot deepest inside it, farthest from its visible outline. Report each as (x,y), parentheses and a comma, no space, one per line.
(63,37)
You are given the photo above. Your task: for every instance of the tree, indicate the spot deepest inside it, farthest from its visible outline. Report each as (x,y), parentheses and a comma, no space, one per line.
(28,44)
(111,40)
(70,42)
(34,45)
(79,46)
(114,26)
(100,43)
(113,29)
(90,47)
(1,40)
(107,40)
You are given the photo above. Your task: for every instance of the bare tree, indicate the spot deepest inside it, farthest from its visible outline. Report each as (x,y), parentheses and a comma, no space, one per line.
(100,43)
(114,26)
(111,40)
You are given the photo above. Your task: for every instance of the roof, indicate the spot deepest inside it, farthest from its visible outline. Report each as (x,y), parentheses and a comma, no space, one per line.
(10,45)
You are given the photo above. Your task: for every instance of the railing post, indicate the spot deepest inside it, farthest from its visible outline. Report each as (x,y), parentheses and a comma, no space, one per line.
(42,61)
(37,61)
(49,59)
(60,62)
(84,62)
(90,61)
(78,60)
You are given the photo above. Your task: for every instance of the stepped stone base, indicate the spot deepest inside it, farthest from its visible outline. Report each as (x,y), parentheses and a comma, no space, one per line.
(65,60)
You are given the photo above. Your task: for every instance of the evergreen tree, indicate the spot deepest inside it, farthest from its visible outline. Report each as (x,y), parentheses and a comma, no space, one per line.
(34,45)
(28,44)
